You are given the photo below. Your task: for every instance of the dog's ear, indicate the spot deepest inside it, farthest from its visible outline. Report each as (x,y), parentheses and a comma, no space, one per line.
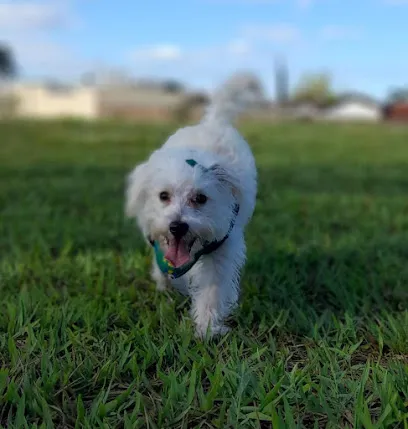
(136,187)
(226,178)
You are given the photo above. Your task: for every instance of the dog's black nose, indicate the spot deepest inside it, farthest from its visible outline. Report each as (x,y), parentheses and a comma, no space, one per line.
(178,229)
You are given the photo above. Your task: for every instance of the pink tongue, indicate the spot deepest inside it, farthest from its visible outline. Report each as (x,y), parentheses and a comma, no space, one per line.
(177,253)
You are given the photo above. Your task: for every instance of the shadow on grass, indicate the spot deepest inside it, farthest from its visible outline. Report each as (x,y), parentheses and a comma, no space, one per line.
(313,281)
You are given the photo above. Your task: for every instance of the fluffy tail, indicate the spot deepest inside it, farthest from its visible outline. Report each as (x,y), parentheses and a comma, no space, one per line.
(236,95)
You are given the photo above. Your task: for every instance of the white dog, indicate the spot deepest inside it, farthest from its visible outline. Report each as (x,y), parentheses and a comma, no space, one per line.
(192,200)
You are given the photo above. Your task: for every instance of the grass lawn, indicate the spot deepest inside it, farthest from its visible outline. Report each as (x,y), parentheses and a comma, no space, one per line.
(320,339)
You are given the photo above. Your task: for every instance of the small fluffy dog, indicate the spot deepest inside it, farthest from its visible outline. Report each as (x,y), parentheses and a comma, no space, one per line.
(192,199)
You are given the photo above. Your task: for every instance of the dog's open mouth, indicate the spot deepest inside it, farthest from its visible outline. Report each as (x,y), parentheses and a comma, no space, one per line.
(177,250)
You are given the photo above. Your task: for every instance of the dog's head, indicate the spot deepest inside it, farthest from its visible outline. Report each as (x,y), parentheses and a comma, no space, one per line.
(181,201)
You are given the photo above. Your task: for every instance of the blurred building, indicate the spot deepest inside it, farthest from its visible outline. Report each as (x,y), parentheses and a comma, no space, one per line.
(168,100)
(354,107)
(396,111)
(50,101)
(139,102)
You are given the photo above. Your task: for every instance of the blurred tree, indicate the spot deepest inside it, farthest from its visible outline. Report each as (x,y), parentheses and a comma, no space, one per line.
(315,88)
(243,88)
(173,86)
(8,68)
(8,71)
(184,110)
(398,95)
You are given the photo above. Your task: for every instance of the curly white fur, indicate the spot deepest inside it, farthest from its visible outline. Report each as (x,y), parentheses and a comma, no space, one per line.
(213,282)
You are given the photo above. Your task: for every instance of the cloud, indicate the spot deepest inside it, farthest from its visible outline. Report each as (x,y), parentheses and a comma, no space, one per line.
(198,66)
(166,52)
(32,16)
(170,53)
(250,48)
(276,33)
(340,33)
(239,47)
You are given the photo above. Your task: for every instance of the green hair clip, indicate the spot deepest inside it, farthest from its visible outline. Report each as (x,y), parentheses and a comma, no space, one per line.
(191,162)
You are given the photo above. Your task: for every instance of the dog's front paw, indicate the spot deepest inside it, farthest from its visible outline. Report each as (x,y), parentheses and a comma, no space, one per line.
(202,330)
(161,284)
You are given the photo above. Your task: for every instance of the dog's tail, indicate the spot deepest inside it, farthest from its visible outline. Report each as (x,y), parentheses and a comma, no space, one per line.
(233,98)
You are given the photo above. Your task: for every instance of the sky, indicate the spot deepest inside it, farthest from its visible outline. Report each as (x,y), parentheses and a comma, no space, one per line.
(362,43)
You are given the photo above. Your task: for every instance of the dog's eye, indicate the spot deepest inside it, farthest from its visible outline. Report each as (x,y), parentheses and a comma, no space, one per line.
(164,196)
(200,199)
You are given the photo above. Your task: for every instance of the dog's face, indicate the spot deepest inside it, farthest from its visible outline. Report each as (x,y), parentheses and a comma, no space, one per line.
(180,205)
